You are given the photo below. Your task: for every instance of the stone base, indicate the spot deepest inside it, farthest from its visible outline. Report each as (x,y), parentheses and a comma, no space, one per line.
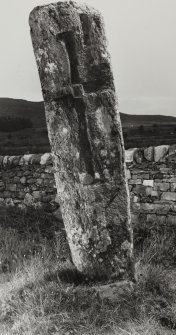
(114,291)
(110,292)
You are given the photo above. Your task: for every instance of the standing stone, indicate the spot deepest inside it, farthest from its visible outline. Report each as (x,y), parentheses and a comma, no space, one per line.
(86,138)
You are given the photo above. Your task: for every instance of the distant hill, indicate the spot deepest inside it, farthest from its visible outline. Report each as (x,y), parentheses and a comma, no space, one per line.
(23,109)
(146,119)
(19,136)
(35,111)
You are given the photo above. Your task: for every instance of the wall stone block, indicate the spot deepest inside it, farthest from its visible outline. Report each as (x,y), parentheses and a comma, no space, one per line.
(138,155)
(160,152)
(129,155)
(135,182)
(172,149)
(161,186)
(11,187)
(23,180)
(173,187)
(169,196)
(148,183)
(149,154)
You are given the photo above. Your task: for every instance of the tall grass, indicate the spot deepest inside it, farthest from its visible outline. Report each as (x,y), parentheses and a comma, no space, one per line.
(41,292)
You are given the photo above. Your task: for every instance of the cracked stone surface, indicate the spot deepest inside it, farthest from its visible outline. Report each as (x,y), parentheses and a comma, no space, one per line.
(86,138)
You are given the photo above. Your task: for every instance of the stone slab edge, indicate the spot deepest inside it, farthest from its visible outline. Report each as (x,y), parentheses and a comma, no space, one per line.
(132,155)
(151,154)
(29,159)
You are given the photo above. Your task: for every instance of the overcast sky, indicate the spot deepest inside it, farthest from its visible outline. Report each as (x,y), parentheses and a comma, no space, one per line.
(142,43)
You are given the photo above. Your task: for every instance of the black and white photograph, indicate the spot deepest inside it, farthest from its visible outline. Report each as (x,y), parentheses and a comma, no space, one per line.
(88,167)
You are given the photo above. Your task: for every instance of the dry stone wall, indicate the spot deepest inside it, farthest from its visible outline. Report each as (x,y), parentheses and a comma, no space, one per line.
(151,174)
(29,181)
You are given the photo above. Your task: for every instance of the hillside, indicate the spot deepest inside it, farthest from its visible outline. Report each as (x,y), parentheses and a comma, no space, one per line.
(23,128)
(15,139)
(23,108)
(129,119)
(35,111)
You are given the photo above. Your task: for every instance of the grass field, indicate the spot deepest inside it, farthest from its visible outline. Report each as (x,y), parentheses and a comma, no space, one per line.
(35,139)
(145,135)
(41,293)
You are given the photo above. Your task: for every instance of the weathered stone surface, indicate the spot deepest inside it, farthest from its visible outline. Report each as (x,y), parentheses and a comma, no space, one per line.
(28,200)
(149,154)
(86,137)
(172,149)
(139,189)
(150,192)
(164,170)
(171,180)
(37,195)
(39,181)
(11,187)
(5,160)
(129,155)
(135,182)
(23,180)
(161,186)
(169,196)
(31,181)
(46,159)
(135,199)
(27,173)
(25,159)
(156,219)
(12,161)
(155,194)
(173,208)
(36,159)
(139,156)
(49,169)
(148,182)
(160,152)
(114,292)
(154,208)
(145,176)
(21,195)
(16,179)
(173,187)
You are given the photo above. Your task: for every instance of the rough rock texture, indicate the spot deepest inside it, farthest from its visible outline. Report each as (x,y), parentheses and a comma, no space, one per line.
(152,186)
(149,154)
(160,152)
(28,181)
(85,136)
